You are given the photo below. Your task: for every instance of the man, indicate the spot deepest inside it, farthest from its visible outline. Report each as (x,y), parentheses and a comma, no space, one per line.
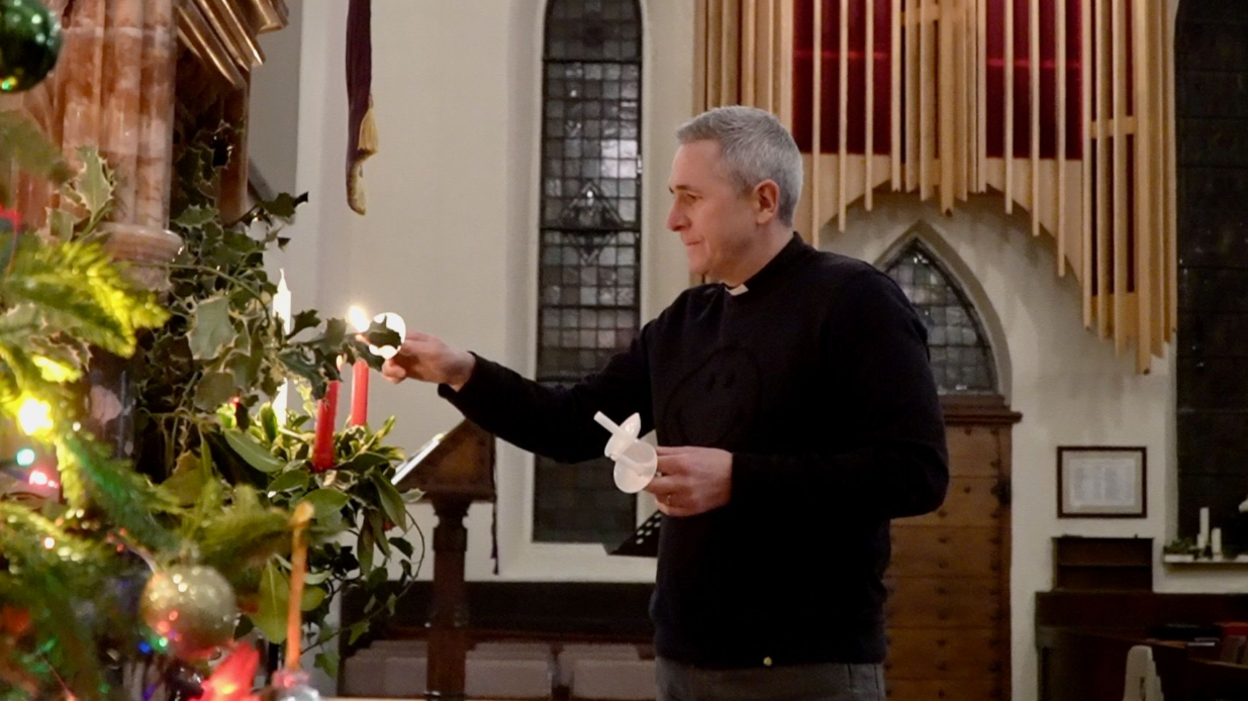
(796,411)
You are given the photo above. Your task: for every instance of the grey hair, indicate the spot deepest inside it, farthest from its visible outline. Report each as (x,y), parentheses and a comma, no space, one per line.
(754,146)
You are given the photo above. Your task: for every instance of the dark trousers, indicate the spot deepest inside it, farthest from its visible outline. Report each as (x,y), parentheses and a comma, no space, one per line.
(821,682)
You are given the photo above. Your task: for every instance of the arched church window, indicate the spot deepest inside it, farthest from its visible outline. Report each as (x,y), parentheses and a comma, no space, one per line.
(962,359)
(590,249)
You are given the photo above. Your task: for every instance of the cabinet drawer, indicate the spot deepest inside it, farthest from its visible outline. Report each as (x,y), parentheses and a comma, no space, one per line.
(937,653)
(943,602)
(921,551)
(973,451)
(969,502)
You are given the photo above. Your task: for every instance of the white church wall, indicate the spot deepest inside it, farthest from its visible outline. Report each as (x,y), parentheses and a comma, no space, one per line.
(450,239)
(1070,387)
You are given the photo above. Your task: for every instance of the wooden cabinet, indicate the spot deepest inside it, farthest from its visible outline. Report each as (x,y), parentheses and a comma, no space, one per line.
(948,609)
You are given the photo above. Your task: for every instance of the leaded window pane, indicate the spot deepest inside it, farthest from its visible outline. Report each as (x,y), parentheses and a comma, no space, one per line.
(590,249)
(962,360)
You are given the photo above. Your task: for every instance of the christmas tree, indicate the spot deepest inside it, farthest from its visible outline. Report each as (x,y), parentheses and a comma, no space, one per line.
(126,571)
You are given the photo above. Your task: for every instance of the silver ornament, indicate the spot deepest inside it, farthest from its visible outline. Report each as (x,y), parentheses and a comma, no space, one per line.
(191,607)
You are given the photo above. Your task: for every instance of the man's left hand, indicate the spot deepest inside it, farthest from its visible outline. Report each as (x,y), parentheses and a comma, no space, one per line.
(692,480)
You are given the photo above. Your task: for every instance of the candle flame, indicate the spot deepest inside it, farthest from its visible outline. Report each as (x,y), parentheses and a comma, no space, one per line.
(358,319)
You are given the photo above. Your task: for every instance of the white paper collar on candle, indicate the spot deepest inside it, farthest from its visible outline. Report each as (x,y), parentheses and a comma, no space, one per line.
(390,320)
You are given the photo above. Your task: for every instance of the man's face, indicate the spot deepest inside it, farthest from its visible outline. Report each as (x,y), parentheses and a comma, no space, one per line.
(715,220)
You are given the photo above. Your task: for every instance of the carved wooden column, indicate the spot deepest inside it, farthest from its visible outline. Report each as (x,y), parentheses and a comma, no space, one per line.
(454,471)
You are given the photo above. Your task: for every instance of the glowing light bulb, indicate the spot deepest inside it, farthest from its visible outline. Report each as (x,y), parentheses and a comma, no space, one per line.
(34,416)
(25,457)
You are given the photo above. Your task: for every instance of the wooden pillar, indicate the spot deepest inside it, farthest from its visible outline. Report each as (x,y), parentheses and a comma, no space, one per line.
(448,624)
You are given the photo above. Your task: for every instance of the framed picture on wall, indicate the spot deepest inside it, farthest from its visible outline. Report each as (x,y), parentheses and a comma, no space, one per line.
(1101,482)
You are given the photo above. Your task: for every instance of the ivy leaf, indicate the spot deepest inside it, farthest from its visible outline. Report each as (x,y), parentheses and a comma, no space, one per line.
(365,548)
(211,330)
(357,629)
(326,501)
(403,545)
(287,481)
(363,461)
(327,662)
(312,597)
(391,500)
(187,484)
(215,389)
(250,450)
(274,600)
(268,421)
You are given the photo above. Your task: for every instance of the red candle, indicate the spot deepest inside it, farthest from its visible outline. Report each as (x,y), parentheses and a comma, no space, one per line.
(359,394)
(326,417)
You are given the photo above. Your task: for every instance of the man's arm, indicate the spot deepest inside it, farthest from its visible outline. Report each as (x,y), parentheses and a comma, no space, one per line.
(553,421)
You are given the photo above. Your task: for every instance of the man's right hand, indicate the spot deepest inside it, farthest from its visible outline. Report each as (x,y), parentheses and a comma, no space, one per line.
(427,358)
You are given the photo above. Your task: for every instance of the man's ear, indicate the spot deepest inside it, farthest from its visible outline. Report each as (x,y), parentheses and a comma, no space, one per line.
(766,200)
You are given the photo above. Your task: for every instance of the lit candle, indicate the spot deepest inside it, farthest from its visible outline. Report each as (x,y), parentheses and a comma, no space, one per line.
(359,375)
(326,417)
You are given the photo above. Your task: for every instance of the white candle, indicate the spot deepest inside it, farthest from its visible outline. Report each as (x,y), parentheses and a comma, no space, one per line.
(281,307)
(1217,542)
(1203,538)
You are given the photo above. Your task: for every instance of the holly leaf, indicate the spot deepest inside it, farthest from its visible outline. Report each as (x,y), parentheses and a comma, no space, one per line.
(61,224)
(250,450)
(297,363)
(334,336)
(283,206)
(95,183)
(213,390)
(211,330)
(195,216)
(306,319)
(274,600)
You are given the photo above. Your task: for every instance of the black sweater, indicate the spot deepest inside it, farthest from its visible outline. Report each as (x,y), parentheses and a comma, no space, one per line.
(816,378)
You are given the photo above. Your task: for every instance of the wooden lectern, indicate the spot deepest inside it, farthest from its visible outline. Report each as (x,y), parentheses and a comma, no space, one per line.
(453,470)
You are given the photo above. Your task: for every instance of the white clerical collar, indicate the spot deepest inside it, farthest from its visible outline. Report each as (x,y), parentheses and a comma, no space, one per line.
(738,290)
